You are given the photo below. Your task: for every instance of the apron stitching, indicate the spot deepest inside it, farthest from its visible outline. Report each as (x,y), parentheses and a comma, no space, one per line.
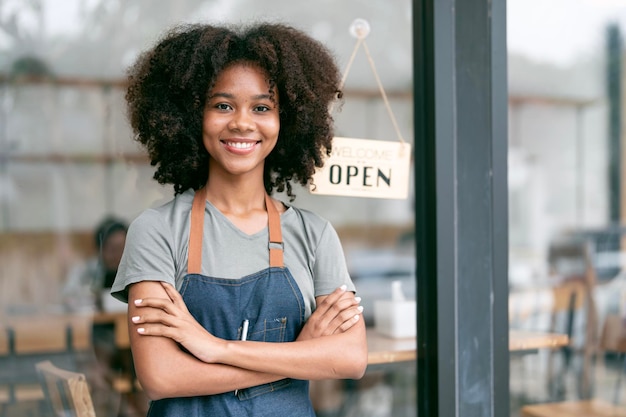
(298,300)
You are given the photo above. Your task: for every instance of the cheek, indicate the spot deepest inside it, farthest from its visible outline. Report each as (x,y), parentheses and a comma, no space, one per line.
(208,125)
(272,126)
(210,131)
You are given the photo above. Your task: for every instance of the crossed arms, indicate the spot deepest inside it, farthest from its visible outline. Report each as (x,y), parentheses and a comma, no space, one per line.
(331,345)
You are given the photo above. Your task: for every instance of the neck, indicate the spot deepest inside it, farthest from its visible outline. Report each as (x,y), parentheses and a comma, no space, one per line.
(236,196)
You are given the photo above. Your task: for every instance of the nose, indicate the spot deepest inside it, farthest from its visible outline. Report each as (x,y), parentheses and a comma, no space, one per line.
(241,121)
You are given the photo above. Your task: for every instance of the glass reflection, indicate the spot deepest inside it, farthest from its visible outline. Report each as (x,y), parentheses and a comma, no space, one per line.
(566,183)
(67,160)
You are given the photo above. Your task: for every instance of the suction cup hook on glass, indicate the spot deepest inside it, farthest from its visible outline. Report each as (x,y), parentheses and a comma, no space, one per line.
(360,28)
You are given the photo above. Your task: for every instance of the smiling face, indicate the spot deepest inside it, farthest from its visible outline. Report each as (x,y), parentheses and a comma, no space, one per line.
(241,122)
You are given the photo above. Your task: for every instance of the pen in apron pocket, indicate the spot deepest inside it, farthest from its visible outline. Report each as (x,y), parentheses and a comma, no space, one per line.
(244,336)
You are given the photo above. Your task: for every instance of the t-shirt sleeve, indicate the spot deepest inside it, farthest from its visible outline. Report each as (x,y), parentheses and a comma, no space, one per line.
(330,270)
(148,254)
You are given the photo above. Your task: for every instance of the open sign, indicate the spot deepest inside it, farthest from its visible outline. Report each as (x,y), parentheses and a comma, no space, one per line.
(365,168)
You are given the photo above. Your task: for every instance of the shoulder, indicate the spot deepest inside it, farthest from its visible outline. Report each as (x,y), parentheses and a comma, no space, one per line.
(164,218)
(316,229)
(307,218)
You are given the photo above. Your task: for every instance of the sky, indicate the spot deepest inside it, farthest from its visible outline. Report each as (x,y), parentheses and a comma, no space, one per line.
(561,31)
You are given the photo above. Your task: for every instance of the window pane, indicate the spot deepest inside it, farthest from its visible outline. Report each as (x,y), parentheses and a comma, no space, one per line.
(68,160)
(566,188)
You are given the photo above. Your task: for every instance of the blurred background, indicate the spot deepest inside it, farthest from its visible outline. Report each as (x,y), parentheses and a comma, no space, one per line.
(67,156)
(68,161)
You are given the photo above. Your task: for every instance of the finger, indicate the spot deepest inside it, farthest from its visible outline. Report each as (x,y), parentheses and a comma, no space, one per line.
(332,299)
(347,302)
(341,305)
(164,304)
(346,325)
(175,296)
(346,319)
(334,320)
(173,293)
(154,316)
(151,329)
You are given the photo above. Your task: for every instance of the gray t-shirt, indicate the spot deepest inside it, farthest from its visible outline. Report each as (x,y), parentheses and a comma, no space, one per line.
(157,249)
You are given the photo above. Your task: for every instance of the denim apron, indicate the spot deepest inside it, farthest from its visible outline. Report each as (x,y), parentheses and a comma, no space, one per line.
(269,300)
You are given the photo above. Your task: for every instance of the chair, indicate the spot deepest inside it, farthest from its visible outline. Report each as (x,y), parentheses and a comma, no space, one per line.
(66,392)
(613,339)
(28,339)
(573,295)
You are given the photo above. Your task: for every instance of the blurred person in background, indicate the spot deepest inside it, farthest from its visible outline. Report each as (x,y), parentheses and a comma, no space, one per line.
(88,290)
(88,281)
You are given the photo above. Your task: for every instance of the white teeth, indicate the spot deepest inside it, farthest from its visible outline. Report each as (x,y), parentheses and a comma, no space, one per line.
(240,145)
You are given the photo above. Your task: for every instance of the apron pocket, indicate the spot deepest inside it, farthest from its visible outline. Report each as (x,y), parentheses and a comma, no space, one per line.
(270,330)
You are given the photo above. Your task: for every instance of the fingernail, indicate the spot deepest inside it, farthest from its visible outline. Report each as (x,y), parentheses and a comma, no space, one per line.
(356,318)
(360,308)
(141,330)
(135,319)
(357,299)
(343,287)
(138,301)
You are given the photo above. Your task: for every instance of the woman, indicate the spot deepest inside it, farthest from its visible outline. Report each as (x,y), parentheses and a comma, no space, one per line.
(236,299)
(88,281)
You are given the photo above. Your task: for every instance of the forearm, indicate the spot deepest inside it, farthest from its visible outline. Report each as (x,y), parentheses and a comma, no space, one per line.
(159,324)
(167,371)
(337,356)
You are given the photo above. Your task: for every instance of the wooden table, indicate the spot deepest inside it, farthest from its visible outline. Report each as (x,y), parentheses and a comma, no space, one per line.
(521,340)
(383,349)
(119,319)
(34,333)
(26,339)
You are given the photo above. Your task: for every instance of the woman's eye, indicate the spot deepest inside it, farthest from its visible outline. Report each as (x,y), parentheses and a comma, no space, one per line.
(222,106)
(262,108)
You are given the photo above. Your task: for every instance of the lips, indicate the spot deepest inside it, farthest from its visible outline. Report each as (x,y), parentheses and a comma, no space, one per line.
(239,146)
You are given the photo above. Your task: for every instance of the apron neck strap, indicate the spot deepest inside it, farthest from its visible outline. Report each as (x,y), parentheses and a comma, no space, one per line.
(275,244)
(194,260)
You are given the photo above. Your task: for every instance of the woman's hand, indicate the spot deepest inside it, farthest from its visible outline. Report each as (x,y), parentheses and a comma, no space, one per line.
(171,318)
(335,313)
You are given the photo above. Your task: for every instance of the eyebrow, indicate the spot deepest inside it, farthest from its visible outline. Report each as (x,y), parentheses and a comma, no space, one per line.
(231,96)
